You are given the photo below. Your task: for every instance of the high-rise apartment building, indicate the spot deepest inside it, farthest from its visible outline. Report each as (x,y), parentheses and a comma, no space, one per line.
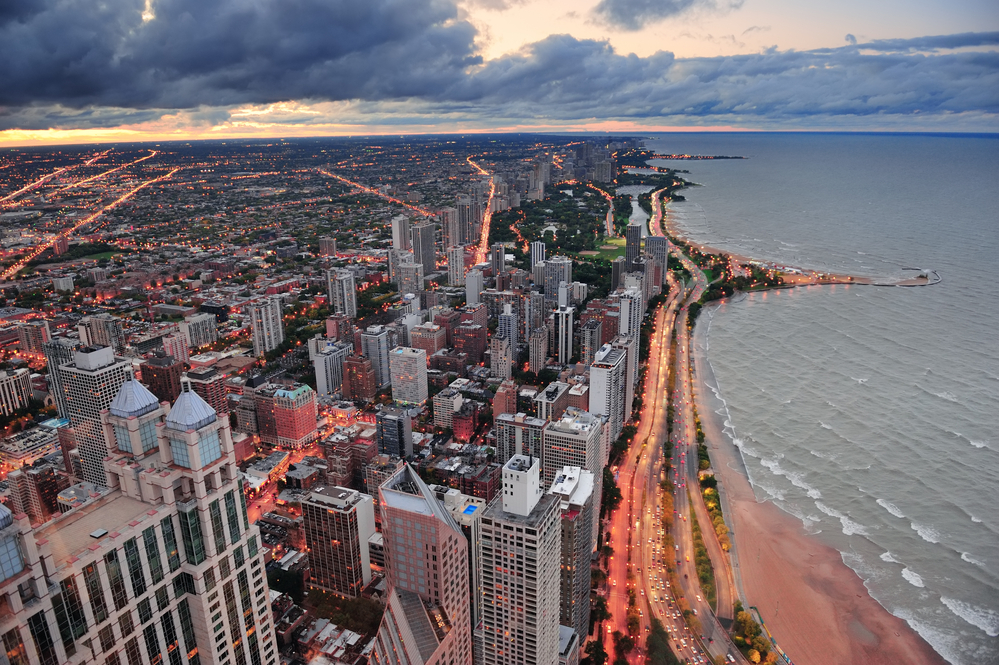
(577,494)
(509,325)
(519,554)
(633,243)
(497,259)
(375,345)
(427,618)
(551,403)
(538,349)
(410,277)
(608,374)
(456,266)
(210,386)
(337,523)
(200,329)
(32,336)
(342,291)
(329,368)
(618,268)
(327,246)
(162,374)
(537,252)
(658,248)
(562,319)
(59,351)
(15,390)
(590,340)
(518,434)
(400,232)
(450,230)
(500,357)
(102,330)
(575,439)
(557,269)
(474,285)
(267,325)
(295,412)
(408,368)
(630,347)
(177,347)
(394,429)
(428,336)
(423,242)
(91,381)
(359,379)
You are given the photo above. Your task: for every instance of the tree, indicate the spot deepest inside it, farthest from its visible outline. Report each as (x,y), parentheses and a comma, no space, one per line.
(596,654)
(754,656)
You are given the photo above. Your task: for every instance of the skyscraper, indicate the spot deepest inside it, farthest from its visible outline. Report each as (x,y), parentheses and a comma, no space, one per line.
(426,566)
(422,239)
(633,243)
(563,334)
(32,336)
(59,351)
(200,329)
(537,252)
(177,347)
(210,386)
(408,367)
(501,357)
(607,386)
(267,325)
(400,232)
(102,330)
(358,379)
(329,368)
(538,349)
(658,248)
(375,345)
(410,277)
(394,429)
(91,381)
(590,339)
(520,614)
(509,326)
(617,269)
(342,291)
(518,434)
(162,374)
(338,522)
(572,440)
(473,287)
(576,493)
(558,269)
(497,258)
(456,266)
(450,230)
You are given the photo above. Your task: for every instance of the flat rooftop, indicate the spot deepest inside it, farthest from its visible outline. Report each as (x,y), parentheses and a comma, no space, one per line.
(69,534)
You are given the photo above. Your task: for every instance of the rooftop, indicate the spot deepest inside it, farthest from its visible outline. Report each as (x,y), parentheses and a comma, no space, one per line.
(69,534)
(133,399)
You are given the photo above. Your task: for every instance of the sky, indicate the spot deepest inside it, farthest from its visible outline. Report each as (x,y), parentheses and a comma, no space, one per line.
(78,71)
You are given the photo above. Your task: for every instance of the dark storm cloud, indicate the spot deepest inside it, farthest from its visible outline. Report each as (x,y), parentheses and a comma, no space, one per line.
(80,64)
(637,14)
(80,53)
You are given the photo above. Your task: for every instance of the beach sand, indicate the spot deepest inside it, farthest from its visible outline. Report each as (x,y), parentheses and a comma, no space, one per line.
(815,606)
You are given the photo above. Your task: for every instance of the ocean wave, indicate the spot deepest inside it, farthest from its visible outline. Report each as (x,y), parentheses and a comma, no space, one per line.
(890,507)
(913,578)
(978,444)
(975,520)
(772,492)
(824,426)
(888,558)
(849,527)
(970,559)
(929,534)
(861,381)
(979,617)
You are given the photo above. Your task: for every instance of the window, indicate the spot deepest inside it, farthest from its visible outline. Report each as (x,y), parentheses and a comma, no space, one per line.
(96,592)
(194,542)
(170,541)
(122,439)
(217,528)
(145,611)
(135,572)
(162,598)
(209,579)
(209,447)
(187,631)
(118,593)
(70,619)
(153,554)
(132,652)
(113,659)
(13,646)
(178,450)
(183,583)
(39,629)
(251,545)
(152,645)
(232,515)
(238,557)
(147,435)
(126,624)
(106,636)
(170,636)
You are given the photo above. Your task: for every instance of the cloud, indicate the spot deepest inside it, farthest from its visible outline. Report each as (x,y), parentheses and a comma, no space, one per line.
(637,14)
(756,28)
(850,39)
(330,64)
(79,53)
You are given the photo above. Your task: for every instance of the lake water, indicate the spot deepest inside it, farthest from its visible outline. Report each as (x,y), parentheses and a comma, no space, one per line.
(870,413)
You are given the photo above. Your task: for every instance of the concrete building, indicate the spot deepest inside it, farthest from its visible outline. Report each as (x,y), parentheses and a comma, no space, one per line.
(518,434)
(408,368)
(538,348)
(329,368)
(210,386)
(200,329)
(338,522)
(102,330)
(608,379)
(359,381)
(375,345)
(501,357)
(557,269)
(342,291)
(267,325)
(474,285)
(427,617)
(537,253)
(519,610)
(456,266)
(429,337)
(59,351)
(162,374)
(91,381)
(400,232)
(15,390)
(590,340)
(32,336)
(177,347)
(295,412)
(446,402)
(633,243)
(551,403)
(562,319)
(327,246)
(508,325)
(576,493)
(630,346)
(410,278)
(394,431)
(575,439)
(423,241)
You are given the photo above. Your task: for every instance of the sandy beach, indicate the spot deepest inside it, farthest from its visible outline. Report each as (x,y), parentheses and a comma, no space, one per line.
(816,607)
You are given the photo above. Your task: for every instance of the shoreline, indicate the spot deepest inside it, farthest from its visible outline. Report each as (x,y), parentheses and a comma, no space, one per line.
(817,608)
